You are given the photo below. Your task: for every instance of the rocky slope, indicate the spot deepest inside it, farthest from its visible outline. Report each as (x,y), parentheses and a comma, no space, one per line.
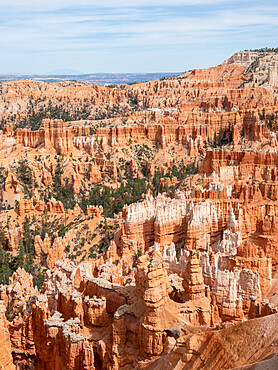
(138,225)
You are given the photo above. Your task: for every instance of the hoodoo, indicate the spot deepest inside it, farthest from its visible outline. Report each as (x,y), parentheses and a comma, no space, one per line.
(138,223)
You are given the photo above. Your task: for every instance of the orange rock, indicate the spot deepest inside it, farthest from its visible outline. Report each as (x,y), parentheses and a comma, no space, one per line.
(193,282)
(6,359)
(123,310)
(95,311)
(54,206)
(160,311)
(25,206)
(94,210)
(233,347)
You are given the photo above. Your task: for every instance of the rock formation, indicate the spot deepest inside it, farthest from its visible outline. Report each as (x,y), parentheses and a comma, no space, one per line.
(181,274)
(6,360)
(193,283)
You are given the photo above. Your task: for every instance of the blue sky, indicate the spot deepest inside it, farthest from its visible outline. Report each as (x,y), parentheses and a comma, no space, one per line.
(89,36)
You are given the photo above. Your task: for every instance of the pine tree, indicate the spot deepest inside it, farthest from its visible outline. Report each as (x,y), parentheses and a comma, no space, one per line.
(6,271)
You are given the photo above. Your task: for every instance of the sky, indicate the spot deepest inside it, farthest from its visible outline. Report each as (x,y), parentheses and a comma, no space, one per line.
(118,36)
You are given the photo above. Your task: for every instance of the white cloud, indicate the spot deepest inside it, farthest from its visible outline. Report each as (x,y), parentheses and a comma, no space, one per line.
(125,29)
(59,4)
(42,31)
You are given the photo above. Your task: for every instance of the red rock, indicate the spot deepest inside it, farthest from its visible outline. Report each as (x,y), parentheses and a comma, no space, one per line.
(6,360)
